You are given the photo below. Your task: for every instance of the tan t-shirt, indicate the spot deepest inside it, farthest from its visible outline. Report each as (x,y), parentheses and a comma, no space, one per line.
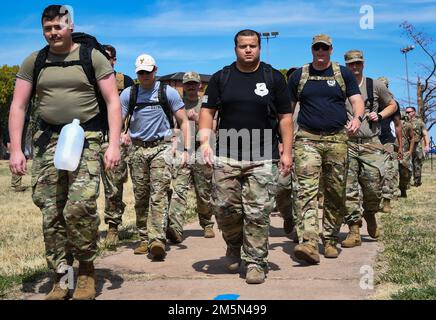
(65,93)
(382,97)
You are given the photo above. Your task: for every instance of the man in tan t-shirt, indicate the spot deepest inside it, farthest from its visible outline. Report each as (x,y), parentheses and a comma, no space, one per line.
(365,153)
(67,199)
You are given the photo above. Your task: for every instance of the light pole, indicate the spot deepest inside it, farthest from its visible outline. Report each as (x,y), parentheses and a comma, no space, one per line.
(267,36)
(405,50)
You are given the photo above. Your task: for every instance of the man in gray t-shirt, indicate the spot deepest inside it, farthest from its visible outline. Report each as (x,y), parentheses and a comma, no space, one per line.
(365,153)
(150,124)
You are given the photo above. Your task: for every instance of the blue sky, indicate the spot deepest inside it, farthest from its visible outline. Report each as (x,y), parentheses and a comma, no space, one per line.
(198,35)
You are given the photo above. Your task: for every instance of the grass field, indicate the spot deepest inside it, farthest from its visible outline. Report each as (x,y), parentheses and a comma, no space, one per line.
(21,240)
(406,266)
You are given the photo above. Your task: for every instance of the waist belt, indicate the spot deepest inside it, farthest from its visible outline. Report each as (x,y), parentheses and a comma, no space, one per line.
(322,133)
(148,144)
(94,124)
(363,140)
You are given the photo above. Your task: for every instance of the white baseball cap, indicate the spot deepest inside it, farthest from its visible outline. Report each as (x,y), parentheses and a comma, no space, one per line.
(145,62)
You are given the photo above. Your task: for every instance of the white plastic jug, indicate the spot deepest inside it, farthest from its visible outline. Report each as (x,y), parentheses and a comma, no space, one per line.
(70,146)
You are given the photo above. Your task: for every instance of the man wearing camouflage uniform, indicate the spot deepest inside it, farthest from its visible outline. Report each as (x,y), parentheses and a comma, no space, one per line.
(421,133)
(67,199)
(392,141)
(365,153)
(322,87)
(113,181)
(199,174)
(405,164)
(149,123)
(245,169)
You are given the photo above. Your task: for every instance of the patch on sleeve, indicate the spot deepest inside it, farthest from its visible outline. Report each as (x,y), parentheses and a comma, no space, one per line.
(205,99)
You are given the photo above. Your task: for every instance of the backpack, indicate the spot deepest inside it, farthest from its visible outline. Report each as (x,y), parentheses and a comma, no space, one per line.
(162,102)
(120,81)
(88,43)
(369,102)
(337,76)
(269,81)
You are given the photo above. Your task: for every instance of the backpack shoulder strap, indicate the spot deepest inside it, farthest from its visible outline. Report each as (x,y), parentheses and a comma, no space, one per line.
(369,103)
(132,104)
(86,59)
(339,78)
(303,79)
(39,65)
(163,101)
(268,76)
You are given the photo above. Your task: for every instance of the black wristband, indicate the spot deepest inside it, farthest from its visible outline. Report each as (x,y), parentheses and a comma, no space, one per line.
(360,119)
(380,117)
(186,149)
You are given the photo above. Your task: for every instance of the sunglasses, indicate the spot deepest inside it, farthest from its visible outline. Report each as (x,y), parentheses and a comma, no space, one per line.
(142,72)
(409,111)
(322,46)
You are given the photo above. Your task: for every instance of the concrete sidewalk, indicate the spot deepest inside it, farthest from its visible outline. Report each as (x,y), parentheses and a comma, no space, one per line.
(195,269)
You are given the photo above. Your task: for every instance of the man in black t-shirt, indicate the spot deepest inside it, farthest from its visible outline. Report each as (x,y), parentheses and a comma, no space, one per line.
(320,146)
(253,103)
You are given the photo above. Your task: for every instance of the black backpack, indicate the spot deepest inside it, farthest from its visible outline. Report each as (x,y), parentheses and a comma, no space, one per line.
(269,81)
(162,102)
(88,43)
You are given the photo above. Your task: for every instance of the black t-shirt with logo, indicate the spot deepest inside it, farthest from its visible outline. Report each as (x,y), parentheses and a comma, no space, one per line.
(386,135)
(322,104)
(244,113)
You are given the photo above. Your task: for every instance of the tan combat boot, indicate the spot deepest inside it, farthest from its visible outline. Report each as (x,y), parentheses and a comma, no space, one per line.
(330,250)
(371,225)
(173,235)
(157,250)
(307,251)
(57,292)
(142,248)
(233,259)
(208,232)
(85,286)
(353,237)
(403,193)
(255,274)
(112,236)
(387,206)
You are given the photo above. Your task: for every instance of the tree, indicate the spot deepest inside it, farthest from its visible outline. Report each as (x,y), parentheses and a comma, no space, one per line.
(427,88)
(7,82)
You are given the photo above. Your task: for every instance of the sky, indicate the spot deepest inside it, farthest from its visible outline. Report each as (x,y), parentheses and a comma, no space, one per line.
(198,35)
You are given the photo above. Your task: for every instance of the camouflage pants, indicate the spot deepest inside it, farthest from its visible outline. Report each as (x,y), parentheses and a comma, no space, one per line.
(113,182)
(365,170)
(201,176)
(390,182)
(286,195)
(405,170)
(151,178)
(243,198)
(16,181)
(319,156)
(417,161)
(68,202)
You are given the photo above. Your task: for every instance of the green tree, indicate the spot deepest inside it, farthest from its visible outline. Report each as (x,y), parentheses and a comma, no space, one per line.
(7,81)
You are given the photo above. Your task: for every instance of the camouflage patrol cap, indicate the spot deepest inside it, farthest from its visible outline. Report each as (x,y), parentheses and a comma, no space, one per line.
(323,38)
(191,76)
(353,56)
(384,80)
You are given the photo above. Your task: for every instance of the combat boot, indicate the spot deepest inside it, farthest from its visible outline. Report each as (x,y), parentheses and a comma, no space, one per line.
(403,193)
(173,235)
(57,292)
(330,250)
(353,237)
(387,206)
(233,259)
(307,251)
(208,232)
(157,250)
(19,189)
(112,236)
(288,225)
(85,286)
(371,225)
(255,274)
(142,248)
